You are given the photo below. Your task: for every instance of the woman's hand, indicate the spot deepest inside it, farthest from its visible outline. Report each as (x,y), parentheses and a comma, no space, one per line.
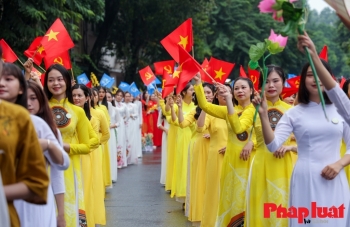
(305,41)
(331,171)
(197,79)
(61,222)
(281,151)
(158,95)
(262,101)
(223,90)
(28,65)
(179,101)
(245,154)
(222,150)
(207,136)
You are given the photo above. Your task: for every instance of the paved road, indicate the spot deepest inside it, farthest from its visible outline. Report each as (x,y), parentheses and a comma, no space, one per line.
(138,199)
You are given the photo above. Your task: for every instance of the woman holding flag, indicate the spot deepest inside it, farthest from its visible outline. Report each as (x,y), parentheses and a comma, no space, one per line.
(237,158)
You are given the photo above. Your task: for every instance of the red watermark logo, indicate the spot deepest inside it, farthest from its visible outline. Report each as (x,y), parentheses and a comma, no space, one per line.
(301,213)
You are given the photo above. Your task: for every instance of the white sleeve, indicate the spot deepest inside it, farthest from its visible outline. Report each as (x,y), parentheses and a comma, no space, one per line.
(118,118)
(48,134)
(341,101)
(346,137)
(57,181)
(283,130)
(159,121)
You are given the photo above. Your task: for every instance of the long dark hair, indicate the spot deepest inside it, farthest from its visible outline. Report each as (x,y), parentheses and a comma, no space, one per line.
(303,93)
(144,99)
(14,70)
(44,112)
(93,97)
(184,91)
(110,92)
(104,100)
(66,77)
(87,94)
(346,87)
(250,84)
(195,101)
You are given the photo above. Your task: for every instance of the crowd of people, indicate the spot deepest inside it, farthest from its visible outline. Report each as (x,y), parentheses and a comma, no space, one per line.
(62,144)
(230,170)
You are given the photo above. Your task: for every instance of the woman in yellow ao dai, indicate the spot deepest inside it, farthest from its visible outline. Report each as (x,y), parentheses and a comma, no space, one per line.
(234,173)
(73,125)
(271,172)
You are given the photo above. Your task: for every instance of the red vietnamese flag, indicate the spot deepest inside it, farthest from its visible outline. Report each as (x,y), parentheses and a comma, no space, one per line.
(288,91)
(187,69)
(167,90)
(170,79)
(36,50)
(294,82)
(220,70)
(205,68)
(57,39)
(342,82)
(62,59)
(7,53)
(242,72)
(182,35)
(324,53)
(160,66)
(147,75)
(254,76)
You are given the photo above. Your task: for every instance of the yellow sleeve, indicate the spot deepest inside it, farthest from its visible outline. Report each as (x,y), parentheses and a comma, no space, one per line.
(106,113)
(176,123)
(242,123)
(82,131)
(31,167)
(162,105)
(188,119)
(205,126)
(104,129)
(94,142)
(209,108)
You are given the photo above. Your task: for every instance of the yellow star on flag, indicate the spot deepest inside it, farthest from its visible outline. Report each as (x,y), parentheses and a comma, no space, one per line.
(183,42)
(41,49)
(52,35)
(219,74)
(178,71)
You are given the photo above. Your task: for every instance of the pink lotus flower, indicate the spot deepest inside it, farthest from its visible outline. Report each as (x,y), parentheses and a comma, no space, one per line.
(278,39)
(269,6)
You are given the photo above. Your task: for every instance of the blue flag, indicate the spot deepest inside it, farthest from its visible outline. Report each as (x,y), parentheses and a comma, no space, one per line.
(157,81)
(110,84)
(151,88)
(82,79)
(232,82)
(134,90)
(105,80)
(159,90)
(124,86)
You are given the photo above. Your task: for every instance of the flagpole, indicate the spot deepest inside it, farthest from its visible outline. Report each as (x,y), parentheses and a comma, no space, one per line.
(42,68)
(20,61)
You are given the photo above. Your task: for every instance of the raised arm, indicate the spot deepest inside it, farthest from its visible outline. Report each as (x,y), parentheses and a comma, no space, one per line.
(209,108)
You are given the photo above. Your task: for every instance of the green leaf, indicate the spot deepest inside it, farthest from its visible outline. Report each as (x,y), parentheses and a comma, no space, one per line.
(253,64)
(290,13)
(289,29)
(257,51)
